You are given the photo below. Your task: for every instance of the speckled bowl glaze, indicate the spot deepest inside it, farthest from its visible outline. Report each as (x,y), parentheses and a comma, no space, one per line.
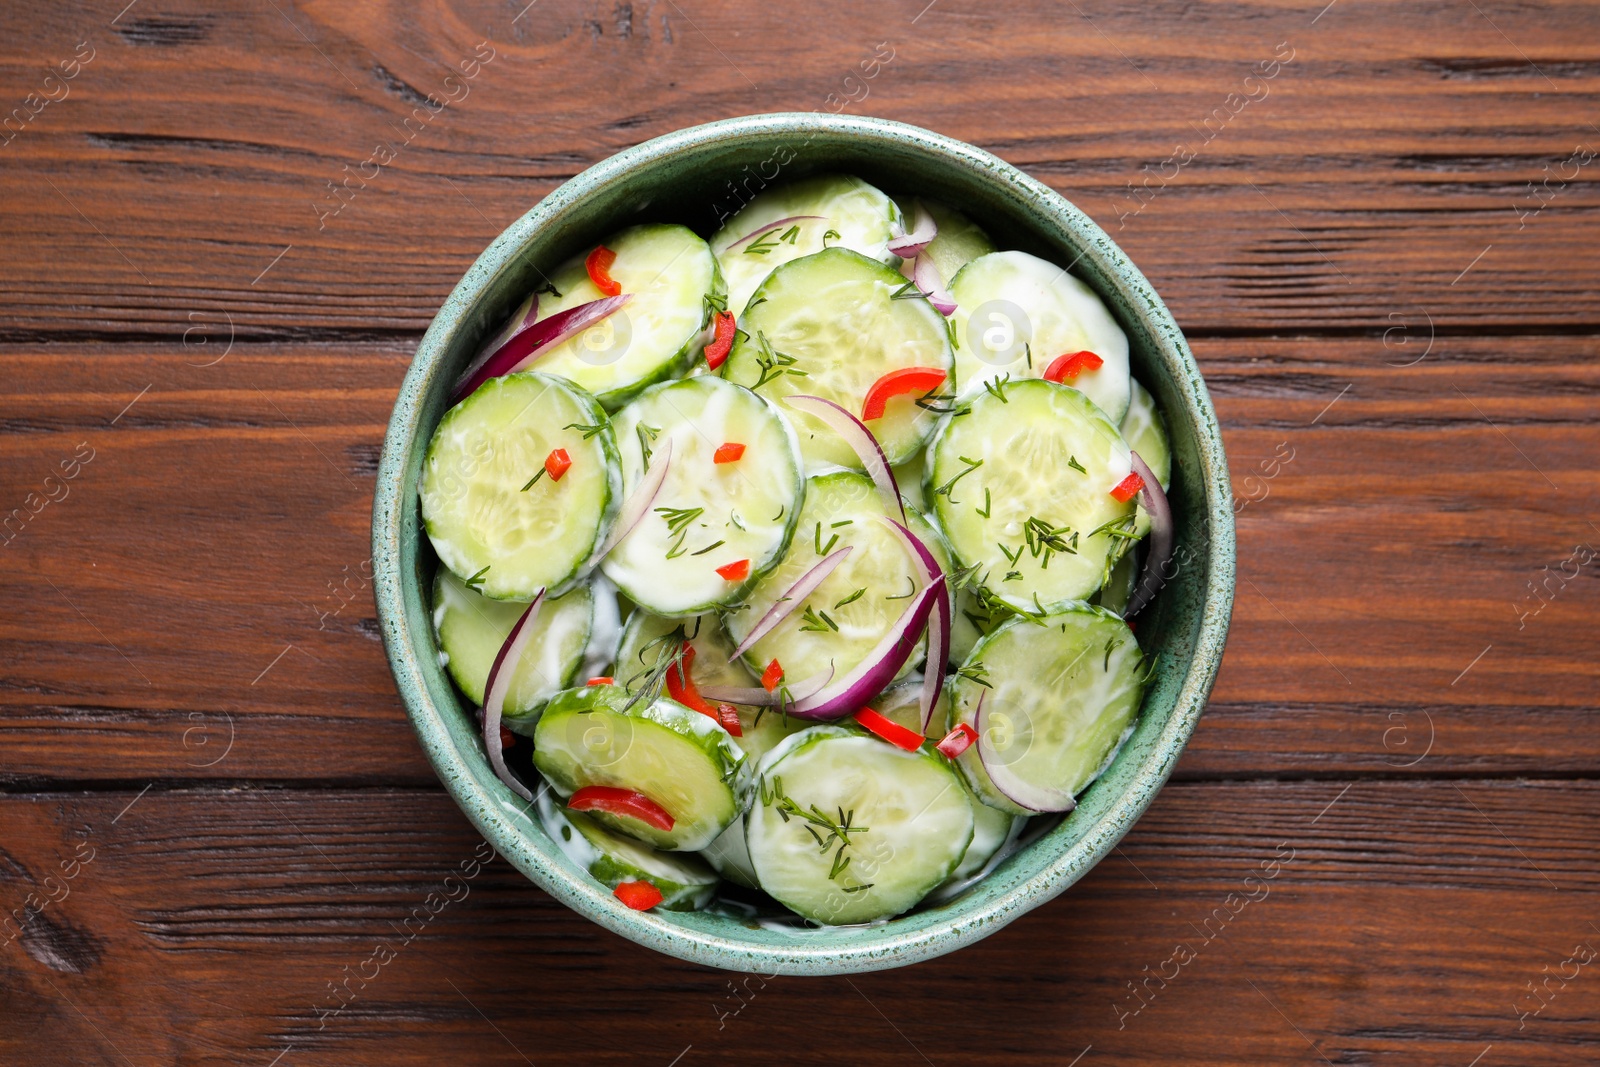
(696,176)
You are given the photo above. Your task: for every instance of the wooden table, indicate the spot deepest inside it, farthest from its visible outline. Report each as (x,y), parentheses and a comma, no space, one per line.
(1383,252)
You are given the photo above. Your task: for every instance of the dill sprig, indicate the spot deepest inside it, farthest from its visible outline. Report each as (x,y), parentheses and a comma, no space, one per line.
(814,818)
(984,511)
(976,673)
(996,387)
(942,404)
(1046,540)
(851,599)
(945,489)
(908,291)
(647,435)
(678,520)
(817,622)
(708,548)
(1072,461)
(529,483)
(823,550)
(654,674)
(476,581)
(773,364)
(587,431)
(762,245)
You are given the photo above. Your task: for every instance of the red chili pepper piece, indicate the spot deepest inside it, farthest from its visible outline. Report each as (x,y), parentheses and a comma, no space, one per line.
(1128,488)
(772,676)
(615,801)
(640,896)
(889,730)
(729,718)
(957,741)
(598,264)
(507,738)
(557,463)
(1066,368)
(737,571)
(681,687)
(730,452)
(897,383)
(603,679)
(721,341)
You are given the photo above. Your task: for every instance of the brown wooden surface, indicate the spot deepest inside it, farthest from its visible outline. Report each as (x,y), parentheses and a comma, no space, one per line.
(192,691)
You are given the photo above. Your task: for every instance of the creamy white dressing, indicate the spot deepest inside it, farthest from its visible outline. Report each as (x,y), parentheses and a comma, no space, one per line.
(605,634)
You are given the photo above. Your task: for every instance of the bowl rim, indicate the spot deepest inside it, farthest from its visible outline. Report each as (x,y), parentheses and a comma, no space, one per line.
(486,802)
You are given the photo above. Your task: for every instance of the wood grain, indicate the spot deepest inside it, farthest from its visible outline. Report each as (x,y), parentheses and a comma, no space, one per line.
(235,911)
(1363,180)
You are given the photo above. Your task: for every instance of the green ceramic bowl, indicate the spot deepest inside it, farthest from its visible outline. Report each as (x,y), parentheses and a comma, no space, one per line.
(695,176)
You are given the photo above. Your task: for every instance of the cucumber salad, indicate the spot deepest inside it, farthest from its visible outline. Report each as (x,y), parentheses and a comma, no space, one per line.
(793,566)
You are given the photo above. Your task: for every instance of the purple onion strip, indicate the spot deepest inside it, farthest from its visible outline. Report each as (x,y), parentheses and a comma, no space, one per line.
(850,693)
(768,228)
(757,697)
(926,277)
(532,339)
(939,625)
(924,230)
(637,506)
(791,599)
(1153,577)
(860,439)
(1013,788)
(496,688)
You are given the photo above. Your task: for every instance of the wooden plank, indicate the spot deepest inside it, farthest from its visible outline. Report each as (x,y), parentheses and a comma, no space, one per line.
(245,918)
(1384,169)
(204,577)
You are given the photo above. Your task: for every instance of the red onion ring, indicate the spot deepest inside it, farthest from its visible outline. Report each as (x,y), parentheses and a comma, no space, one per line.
(875,672)
(496,687)
(926,277)
(939,625)
(757,697)
(530,341)
(924,231)
(791,599)
(860,439)
(769,227)
(1152,578)
(1020,793)
(637,506)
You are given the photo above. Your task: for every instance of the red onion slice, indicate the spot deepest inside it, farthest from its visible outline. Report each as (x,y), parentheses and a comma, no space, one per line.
(519,319)
(939,624)
(791,599)
(926,277)
(860,439)
(495,689)
(1153,577)
(527,343)
(924,230)
(875,672)
(768,228)
(1021,793)
(637,506)
(757,697)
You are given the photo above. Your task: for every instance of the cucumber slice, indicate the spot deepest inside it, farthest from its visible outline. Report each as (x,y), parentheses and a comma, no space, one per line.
(1027,439)
(729,856)
(679,758)
(841,509)
(507,538)
(991,827)
(1061,696)
(958,242)
(1008,300)
(642,648)
(910,818)
(828,325)
(707,514)
(670,274)
(471,629)
(1145,433)
(857,215)
(686,883)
